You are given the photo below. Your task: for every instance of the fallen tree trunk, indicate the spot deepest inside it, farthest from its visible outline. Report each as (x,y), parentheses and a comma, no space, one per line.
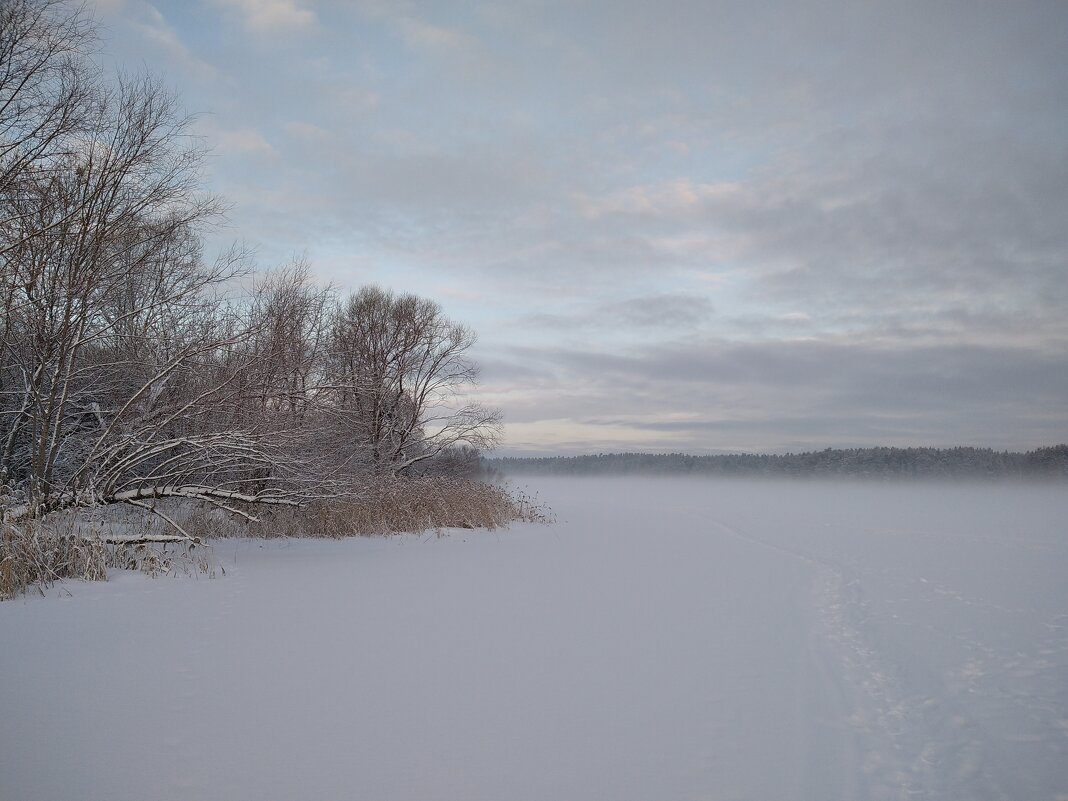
(136,497)
(142,539)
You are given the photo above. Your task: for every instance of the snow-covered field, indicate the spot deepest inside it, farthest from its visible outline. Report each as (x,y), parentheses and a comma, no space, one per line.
(667,639)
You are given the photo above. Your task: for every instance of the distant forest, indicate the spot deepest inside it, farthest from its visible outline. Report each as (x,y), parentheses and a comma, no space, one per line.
(1049,462)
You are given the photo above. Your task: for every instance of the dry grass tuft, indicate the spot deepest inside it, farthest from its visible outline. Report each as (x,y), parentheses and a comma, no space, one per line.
(394,506)
(38,553)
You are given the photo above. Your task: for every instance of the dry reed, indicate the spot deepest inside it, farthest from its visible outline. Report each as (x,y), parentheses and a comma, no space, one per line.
(395,506)
(38,553)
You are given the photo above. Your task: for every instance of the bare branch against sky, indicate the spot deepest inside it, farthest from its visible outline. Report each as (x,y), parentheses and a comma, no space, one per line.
(676,226)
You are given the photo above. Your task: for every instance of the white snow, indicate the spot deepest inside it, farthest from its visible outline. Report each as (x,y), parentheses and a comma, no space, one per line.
(667,639)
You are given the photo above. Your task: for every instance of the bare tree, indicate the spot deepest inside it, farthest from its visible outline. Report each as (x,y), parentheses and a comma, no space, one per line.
(97,245)
(281,368)
(44,98)
(287,317)
(400,368)
(123,371)
(45,89)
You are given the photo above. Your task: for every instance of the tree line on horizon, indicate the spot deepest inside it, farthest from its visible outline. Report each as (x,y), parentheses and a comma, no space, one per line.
(878,462)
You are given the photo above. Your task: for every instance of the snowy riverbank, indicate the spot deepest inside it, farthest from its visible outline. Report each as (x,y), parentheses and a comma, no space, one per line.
(665,639)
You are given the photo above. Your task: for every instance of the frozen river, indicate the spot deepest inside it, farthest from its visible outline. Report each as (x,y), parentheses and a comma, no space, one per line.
(665,639)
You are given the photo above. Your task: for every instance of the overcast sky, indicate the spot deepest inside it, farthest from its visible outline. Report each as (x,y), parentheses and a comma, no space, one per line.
(694,226)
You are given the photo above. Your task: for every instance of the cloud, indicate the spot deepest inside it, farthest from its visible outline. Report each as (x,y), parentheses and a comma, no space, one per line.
(107,6)
(717,394)
(239,142)
(953,222)
(656,311)
(308,132)
(421,34)
(663,311)
(271,16)
(149,23)
(678,198)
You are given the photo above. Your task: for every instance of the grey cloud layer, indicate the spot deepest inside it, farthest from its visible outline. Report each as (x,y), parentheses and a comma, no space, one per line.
(745,395)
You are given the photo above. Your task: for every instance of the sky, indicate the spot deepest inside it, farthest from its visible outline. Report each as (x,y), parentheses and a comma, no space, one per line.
(676,226)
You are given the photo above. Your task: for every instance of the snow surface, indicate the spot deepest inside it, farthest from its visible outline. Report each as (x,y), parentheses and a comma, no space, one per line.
(667,639)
